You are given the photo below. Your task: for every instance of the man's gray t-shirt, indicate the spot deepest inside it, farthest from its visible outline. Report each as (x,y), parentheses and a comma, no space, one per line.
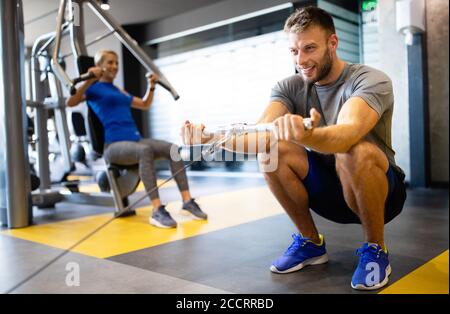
(356,80)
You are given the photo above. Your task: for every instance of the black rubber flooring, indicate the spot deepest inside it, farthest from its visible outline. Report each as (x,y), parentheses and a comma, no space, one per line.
(237,259)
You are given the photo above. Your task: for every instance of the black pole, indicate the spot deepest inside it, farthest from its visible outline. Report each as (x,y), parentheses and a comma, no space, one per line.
(418,113)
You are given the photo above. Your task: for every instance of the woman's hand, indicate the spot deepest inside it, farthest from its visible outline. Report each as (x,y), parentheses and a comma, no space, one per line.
(79,96)
(152,79)
(97,71)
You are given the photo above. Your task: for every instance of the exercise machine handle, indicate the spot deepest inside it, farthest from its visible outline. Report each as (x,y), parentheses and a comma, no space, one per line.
(81,78)
(165,86)
(244,128)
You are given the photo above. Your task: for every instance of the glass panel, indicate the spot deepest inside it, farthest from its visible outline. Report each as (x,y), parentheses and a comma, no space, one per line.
(219,85)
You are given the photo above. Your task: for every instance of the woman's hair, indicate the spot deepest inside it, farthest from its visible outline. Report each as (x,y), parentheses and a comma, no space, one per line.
(100,55)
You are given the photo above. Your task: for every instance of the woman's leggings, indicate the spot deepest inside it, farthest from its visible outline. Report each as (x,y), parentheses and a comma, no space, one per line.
(144,153)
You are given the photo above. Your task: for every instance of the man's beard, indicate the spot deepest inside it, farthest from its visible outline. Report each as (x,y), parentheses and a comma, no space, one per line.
(323,69)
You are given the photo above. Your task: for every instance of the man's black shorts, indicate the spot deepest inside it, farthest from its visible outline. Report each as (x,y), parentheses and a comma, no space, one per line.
(326,196)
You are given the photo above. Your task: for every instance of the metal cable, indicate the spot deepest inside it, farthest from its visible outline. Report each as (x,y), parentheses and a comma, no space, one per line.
(15,287)
(41,17)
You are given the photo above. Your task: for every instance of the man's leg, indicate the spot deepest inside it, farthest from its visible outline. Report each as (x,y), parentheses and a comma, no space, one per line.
(362,171)
(287,186)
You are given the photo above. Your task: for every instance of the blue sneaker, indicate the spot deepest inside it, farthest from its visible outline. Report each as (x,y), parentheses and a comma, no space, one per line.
(162,219)
(373,268)
(300,253)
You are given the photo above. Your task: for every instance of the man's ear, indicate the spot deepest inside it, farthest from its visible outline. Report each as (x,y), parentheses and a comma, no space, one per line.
(333,41)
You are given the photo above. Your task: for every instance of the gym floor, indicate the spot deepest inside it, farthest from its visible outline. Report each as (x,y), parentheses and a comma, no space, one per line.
(229,253)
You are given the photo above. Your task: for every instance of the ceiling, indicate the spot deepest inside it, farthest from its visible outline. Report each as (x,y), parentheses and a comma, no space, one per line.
(124,11)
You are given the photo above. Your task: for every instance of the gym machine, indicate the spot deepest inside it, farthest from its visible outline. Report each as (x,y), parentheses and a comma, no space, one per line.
(48,77)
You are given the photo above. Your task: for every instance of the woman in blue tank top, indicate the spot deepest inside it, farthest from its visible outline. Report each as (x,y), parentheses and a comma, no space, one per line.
(124,144)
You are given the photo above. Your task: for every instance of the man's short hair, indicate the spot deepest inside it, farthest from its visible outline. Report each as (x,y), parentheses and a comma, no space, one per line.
(305,17)
(100,56)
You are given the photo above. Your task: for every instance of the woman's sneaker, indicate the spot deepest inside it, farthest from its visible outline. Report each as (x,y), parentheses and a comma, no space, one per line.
(300,253)
(373,268)
(191,208)
(162,219)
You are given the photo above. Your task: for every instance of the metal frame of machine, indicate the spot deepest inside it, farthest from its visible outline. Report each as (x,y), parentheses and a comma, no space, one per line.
(49,76)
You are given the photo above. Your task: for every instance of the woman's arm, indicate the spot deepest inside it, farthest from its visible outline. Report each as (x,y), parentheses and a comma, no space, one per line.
(79,96)
(145,102)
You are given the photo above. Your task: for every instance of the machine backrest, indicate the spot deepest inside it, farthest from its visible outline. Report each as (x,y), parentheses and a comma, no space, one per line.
(96,131)
(84,63)
(78,123)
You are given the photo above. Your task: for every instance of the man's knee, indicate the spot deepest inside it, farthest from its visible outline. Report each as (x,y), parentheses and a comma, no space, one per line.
(291,155)
(362,156)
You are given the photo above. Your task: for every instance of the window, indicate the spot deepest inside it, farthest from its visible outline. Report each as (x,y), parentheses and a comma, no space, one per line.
(219,85)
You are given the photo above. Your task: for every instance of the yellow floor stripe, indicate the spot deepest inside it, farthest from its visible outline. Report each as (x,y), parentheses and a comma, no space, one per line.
(430,278)
(93,188)
(80,178)
(133,233)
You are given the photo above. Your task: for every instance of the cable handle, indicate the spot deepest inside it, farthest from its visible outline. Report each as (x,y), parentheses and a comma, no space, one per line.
(244,128)
(148,75)
(83,77)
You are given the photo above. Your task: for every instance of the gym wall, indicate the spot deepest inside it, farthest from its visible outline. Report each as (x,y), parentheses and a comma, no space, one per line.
(438,78)
(393,60)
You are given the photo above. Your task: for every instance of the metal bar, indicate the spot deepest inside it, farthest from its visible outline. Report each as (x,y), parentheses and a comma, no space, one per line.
(90,199)
(62,128)
(52,38)
(132,46)
(13,105)
(57,68)
(99,38)
(43,167)
(38,95)
(115,192)
(243,128)
(77,29)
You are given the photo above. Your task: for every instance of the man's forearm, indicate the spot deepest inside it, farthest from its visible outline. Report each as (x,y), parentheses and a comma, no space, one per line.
(331,139)
(251,143)
(327,140)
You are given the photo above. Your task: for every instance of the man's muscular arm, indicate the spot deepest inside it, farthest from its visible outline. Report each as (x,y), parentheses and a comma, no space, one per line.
(355,121)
